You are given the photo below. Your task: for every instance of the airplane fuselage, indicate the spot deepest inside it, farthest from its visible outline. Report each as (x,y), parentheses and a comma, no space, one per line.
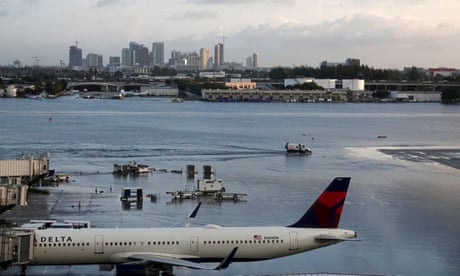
(205,244)
(165,248)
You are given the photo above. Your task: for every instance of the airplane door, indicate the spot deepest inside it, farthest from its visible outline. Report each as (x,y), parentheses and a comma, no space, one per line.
(293,241)
(194,244)
(99,244)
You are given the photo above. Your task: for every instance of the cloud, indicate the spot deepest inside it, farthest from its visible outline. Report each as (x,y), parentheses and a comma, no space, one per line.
(17,8)
(234,2)
(292,32)
(33,2)
(380,41)
(193,15)
(104,3)
(376,39)
(218,2)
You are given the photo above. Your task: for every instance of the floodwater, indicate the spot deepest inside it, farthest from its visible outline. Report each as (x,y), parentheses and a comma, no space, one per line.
(402,201)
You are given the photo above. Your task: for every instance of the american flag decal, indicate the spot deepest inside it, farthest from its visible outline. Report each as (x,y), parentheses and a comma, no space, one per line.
(257,237)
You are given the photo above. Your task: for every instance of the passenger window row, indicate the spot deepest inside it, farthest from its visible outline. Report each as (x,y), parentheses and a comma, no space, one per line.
(62,244)
(157,243)
(243,242)
(148,243)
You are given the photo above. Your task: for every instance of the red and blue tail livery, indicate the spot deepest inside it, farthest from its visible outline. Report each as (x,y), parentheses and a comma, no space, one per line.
(327,209)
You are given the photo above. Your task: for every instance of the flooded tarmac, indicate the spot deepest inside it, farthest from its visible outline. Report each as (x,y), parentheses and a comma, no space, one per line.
(403,197)
(448,157)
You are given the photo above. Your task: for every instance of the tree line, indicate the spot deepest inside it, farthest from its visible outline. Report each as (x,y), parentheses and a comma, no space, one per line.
(344,71)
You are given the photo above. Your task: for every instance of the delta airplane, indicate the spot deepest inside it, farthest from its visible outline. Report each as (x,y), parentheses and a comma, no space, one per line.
(164,248)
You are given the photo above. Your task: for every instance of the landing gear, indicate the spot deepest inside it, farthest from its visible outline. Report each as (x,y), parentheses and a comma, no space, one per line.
(144,270)
(23,270)
(168,271)
(157,270)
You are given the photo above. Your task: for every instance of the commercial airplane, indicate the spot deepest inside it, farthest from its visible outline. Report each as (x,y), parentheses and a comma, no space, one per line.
(164,248)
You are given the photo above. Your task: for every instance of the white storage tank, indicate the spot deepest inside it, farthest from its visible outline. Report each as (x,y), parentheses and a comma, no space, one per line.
(11,91)
(353,84)
(326,83)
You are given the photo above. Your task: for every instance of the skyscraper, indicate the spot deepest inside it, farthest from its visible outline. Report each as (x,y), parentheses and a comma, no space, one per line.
(255,60)
(158,53)
(143,55)
(210,62)
(249,63)
(135,48)
(218,55)
(204,57)
(75,58)
(126,57)
(94,61)
(114,61)
(114,64)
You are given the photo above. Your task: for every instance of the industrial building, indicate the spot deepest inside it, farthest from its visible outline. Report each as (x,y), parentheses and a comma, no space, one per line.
(329,84)
(255,95)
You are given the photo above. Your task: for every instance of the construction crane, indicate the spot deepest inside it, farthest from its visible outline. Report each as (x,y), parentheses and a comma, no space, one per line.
(37,60)
(223,38)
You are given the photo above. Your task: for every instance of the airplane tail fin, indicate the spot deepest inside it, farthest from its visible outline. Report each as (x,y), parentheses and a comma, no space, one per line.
(326,211)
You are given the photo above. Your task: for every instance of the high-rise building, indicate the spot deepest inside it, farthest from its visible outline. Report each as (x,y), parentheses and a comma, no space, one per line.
(204,57)
(75,58)
(114,64)
(158,53)
(249,62)
(114,61)
(126,57)
(135,48)
(143,54)
(255,60)
(193,59)
(252,62)
(185,60)
(353,61)
(94,61)
(218,55)
(210,62)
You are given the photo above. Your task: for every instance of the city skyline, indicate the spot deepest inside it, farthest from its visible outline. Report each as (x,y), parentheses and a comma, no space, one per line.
(384,34)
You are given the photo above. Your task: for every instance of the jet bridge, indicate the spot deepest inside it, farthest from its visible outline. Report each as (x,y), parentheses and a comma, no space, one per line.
(17,243)
(16,246)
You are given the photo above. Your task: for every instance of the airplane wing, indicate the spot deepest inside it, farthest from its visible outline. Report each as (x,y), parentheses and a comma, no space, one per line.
(177,261)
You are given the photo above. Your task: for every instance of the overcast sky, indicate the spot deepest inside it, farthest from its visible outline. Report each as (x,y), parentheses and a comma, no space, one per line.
(382,33)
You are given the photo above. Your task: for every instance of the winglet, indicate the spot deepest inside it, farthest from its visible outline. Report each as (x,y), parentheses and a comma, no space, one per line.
(195,211)
(327,209)
(192,215)
(227,260)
